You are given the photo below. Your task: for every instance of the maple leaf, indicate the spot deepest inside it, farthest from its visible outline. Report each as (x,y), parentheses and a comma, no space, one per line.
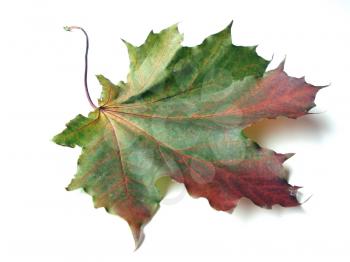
(181,114)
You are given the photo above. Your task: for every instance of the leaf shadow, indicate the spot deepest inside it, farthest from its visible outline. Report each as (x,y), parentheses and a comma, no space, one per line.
(310,127)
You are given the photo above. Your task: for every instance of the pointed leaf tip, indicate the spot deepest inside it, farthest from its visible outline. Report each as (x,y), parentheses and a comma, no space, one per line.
(228,28)
(137,233)
(285,157)
(282,64)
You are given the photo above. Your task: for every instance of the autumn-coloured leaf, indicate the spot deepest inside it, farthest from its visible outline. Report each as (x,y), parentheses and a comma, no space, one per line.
(181,114)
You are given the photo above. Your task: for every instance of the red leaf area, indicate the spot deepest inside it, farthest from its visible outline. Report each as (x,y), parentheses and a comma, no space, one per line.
(262,180)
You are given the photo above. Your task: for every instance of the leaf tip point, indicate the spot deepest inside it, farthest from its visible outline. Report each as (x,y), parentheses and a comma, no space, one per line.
(124,41)
(138,235)
(306,200)
(284,157)
(324,86)
(229,28)
(289,155)
(282,64)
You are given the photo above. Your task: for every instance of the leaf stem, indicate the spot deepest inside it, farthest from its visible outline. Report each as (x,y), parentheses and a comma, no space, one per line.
(70,28)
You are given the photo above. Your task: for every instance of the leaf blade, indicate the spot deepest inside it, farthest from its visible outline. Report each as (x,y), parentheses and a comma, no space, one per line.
(181,114)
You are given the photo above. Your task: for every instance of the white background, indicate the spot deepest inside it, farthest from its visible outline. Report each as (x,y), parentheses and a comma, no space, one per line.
(41,69)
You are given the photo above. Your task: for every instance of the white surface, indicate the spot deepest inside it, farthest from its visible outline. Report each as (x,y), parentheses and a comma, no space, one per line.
(41,70)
